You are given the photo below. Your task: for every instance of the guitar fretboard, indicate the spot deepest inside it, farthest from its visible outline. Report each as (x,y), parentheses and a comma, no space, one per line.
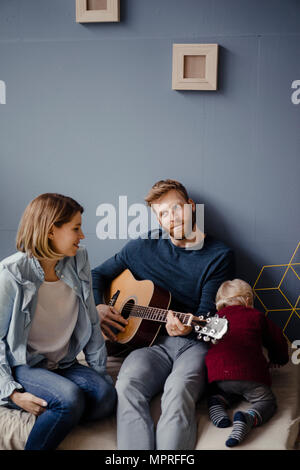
(153,313)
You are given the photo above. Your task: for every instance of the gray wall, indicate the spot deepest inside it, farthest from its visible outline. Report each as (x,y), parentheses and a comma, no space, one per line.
(90,113)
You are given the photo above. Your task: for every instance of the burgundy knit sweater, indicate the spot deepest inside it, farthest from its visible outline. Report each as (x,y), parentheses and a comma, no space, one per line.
(239,354)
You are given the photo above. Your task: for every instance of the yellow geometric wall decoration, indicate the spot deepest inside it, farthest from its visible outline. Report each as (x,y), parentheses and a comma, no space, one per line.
(277,288)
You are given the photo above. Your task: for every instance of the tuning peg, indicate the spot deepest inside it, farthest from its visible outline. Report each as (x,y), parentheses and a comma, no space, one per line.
(214,341)
(206,338)
(199,336)
(197,328)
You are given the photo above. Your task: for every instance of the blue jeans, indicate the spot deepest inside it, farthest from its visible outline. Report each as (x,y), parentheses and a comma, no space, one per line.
(74,395)
(174,365)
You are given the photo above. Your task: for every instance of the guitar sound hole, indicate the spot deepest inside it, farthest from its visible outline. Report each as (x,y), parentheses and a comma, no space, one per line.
(127,309)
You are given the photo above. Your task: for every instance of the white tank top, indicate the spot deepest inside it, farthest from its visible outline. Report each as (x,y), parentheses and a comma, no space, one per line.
(54,321)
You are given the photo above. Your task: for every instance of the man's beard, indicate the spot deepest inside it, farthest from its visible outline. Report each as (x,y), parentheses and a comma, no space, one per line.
(186,229)
(179,232)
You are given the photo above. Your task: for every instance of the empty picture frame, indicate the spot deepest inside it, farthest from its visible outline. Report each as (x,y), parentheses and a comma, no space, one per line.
(195,66)
(96,11)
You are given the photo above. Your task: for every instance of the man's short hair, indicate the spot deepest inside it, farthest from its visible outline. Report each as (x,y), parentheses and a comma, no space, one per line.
(163,187)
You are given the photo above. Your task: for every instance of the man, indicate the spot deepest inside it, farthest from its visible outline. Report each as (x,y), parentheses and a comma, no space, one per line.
(191,265)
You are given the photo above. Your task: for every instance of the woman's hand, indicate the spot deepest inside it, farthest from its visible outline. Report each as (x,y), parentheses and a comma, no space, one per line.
(110,317)
(174,326)
(29,402)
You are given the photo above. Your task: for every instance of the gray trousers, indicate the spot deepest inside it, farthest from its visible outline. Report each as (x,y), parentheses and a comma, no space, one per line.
(176,366)
(261,397)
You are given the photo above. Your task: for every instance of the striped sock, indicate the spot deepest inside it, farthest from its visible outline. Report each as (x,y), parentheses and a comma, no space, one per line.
(217,413)
(242,423)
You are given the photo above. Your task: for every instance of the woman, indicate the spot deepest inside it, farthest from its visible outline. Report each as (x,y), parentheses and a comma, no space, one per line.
(47,316)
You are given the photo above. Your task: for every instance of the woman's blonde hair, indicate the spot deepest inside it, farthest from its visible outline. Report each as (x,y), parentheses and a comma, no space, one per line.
(39,217)
(235,292)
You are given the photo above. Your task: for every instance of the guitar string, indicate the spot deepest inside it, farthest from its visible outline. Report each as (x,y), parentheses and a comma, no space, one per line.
(139,310)
(151,311)
(134,308)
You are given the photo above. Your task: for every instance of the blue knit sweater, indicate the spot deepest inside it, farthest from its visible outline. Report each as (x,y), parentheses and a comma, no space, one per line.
(191,276)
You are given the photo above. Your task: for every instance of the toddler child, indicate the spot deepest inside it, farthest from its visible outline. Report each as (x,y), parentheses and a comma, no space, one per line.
(237,367)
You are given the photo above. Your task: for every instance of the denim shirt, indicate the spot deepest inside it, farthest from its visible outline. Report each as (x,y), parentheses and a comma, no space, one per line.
(20,279)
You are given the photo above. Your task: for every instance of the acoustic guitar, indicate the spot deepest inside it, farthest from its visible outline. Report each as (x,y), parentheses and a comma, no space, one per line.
(145,306)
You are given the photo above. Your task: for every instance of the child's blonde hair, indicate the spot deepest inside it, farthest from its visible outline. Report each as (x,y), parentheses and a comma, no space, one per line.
(39,217)
(235,292)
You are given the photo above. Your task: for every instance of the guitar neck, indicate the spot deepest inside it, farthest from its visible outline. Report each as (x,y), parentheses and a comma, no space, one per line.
(123,292)
(155,314)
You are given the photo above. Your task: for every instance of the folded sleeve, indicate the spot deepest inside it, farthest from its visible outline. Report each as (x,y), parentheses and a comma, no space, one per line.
(221,271)
(8,293)
(103,274)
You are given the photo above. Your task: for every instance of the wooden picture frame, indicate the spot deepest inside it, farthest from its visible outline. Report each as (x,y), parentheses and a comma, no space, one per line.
(195,66)
(97,11)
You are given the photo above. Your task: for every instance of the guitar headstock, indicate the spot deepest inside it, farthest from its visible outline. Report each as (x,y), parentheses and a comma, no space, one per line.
(211,328)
